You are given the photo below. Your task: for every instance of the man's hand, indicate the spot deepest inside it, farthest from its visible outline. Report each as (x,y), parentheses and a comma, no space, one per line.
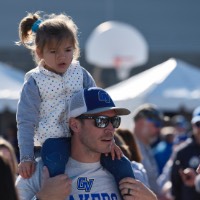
(188,176)
(58,187)
(132,189)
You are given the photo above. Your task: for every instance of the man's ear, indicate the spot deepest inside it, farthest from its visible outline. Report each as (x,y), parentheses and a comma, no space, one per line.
(39,53)
(74,124)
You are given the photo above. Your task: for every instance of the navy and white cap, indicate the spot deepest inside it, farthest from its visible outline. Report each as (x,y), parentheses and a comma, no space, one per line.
(91,101)
(196,115)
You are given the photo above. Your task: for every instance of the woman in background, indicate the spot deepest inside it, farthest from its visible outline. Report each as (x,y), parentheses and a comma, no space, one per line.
(131,151)
(7,183)
(8,152)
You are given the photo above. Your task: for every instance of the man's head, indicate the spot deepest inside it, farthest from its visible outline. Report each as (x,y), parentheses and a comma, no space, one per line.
(93,118)
(148,121)
(91,101)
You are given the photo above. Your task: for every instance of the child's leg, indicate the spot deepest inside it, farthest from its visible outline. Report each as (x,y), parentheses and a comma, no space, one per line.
(55,153)
(118,168)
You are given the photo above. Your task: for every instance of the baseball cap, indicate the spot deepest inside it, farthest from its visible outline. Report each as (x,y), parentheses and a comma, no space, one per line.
(91,101)
(180,121)
(196,115)
(148,111)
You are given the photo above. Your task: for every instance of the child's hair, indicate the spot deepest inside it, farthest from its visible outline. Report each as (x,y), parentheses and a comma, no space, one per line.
(36,32)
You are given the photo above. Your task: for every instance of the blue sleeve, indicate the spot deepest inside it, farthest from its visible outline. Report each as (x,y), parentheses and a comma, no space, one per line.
(27,118)
(88,80)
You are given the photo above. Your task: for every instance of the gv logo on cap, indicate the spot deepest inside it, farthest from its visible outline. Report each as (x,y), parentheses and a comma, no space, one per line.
(103,96)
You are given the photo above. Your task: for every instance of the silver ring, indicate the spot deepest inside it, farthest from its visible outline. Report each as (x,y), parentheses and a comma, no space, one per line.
(129,191)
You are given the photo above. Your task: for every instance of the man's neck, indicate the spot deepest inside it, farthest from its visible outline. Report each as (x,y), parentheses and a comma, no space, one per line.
(80,153)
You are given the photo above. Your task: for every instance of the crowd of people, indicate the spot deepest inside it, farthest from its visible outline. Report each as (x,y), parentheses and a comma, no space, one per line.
(70,142)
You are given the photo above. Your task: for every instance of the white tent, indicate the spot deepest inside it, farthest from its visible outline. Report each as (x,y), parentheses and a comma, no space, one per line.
(169,85)
(11,83)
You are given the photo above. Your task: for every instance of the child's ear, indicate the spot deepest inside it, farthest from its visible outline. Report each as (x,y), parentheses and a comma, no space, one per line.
(39,53)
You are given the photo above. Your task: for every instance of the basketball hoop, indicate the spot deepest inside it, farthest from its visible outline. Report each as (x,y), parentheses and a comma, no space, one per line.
(116,45)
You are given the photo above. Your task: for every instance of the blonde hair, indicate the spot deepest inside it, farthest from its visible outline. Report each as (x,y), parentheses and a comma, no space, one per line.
(52,27)
(13,164)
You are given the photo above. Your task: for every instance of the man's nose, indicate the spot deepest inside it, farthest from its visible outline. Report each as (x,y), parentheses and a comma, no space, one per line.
(110,125)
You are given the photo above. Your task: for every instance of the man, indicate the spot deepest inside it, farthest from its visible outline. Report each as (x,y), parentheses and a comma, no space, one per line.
(93,118)
(147,123)
(187,157)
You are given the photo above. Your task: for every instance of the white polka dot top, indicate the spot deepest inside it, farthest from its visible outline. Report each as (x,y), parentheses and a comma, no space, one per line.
(55,91)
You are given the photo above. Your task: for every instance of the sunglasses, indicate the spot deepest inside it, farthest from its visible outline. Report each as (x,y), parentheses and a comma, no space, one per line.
(157,123)
(197,124)
(103,121)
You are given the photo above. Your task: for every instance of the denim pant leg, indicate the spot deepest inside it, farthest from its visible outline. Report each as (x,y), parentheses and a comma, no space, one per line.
(118,168)
(55,153)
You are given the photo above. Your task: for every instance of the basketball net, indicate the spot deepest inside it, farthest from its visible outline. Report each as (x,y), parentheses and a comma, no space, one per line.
(122,66)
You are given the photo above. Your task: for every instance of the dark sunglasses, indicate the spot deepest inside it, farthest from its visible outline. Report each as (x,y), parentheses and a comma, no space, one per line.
(103,121)
(197,124)
(157,123)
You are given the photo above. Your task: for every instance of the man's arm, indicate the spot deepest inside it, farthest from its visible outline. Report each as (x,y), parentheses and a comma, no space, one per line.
(58,187)
(42,186)
(134,189)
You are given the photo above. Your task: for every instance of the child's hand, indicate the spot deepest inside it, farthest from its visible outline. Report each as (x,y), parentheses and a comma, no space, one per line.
(26,169)
(115,150)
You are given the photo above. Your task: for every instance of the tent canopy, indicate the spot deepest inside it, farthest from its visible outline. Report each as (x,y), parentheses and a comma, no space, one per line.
(170,85)
(10,87)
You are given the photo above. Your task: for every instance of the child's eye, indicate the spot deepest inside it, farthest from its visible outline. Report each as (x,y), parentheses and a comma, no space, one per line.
(52,51)
(68,50)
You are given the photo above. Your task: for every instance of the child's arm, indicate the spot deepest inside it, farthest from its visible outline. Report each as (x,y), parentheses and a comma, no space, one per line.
(26,169)
(27,119)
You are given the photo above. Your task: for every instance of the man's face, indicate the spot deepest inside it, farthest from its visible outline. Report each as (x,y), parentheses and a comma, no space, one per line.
(196,128)
(149,129)
(94,139)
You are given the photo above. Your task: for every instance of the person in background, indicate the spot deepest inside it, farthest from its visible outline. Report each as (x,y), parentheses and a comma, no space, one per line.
(163,150)
(126,141)
(7,182)
(11,136)
(187,156)
(148,120)
(129,139)
(93,118)
(7,150)
(191,177)
(181,125)
(197,179)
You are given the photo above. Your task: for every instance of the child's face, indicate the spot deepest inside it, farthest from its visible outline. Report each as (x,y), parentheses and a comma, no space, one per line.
(57,57)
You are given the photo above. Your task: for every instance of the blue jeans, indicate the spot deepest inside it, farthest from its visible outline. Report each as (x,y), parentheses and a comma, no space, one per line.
(55,153)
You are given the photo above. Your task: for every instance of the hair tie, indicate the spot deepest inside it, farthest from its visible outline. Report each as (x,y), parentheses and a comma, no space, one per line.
(35,26)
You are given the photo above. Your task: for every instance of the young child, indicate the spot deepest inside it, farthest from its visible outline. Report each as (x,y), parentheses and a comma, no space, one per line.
(42,108)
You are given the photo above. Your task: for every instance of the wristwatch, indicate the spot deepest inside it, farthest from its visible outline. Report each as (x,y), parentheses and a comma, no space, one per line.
(34,198)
